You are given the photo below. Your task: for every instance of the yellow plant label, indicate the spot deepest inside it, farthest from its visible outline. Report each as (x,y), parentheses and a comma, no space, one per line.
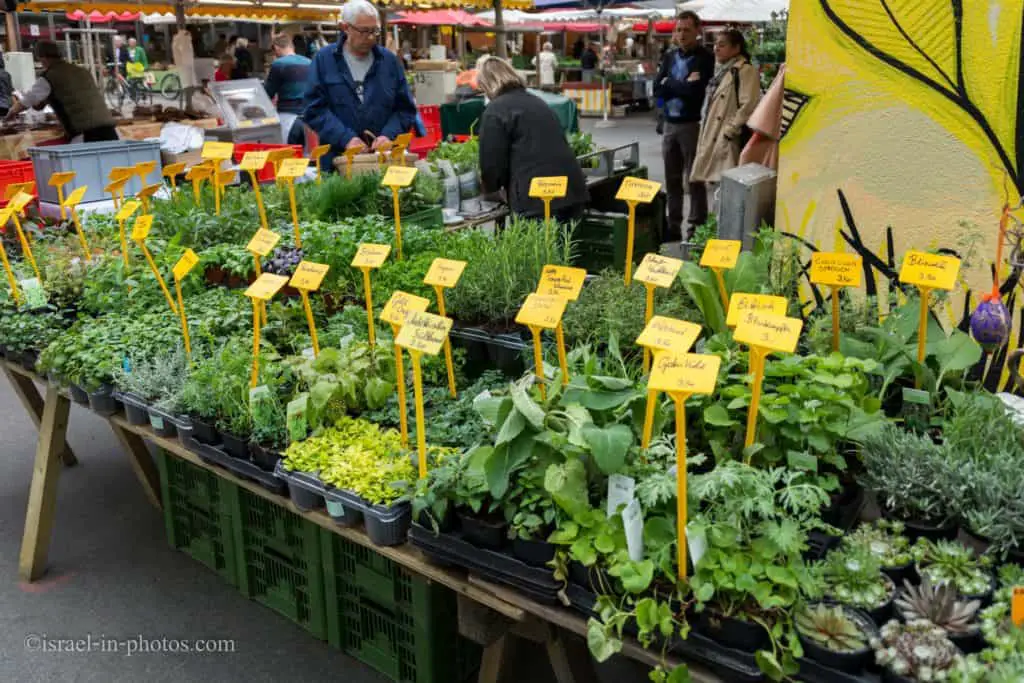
(141,228)
(669,334)
(637,190)
(836,270)
(371,255)
(403,140)
(14,188)
(562,281)
(931,271)
(541,311)
(684,373)
(20,201)
(116,187)
(400,305)
(172,170)
(721,253)
(58,179)
(741,304)
(266,286)
(1017,606)
(293,168)
(399,176)
(5,214)
(444,272)
(424,332)
(200,172)
(226,177)
(276,156)
(262,242)
(552,187)
(144,168)
(185,264)
(127,210)
(658,270)
(769,331)
(119,173)
(218,151)
(319,151)
(149,190)
(309,275)
(75,197)
(254,161)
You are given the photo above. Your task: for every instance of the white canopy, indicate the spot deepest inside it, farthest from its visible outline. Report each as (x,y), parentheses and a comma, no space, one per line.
(739,11)
(570,16)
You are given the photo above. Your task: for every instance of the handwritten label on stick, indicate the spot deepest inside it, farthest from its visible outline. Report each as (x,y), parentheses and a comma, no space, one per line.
(658,270)
(562,281)
(141,228)
(254,161)
(262,242)
(185,264)
(637,190)
(218,151)
(769,331)
(551,187)
(399,176)
(721,254)
(836,270)
(541,311)
(741,304)
(309,275)
(668,334)
(61,178)
(371,255)
(444,272)
(932,271)
(424,332)
(127,209)
(688,373)
(266,286)
(400,305)
(293,168)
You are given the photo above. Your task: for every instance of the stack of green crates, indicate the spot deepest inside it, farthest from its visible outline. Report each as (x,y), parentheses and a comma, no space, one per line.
(601,239)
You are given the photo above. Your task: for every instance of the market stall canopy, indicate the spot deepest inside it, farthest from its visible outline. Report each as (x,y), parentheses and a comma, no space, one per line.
(440,17)
(97,17)
(232,10)
(659,26)
(737,11)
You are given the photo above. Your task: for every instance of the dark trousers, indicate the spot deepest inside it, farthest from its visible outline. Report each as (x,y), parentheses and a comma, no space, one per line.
(99,134)
(678,150)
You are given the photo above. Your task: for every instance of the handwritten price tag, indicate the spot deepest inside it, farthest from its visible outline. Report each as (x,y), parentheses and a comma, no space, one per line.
(741,303)
(562,281)
(371,255)
(424,332)
(254,161)
(293,168)
(266,286)
(541,311)
(185,264)
(226,177)
(218,151)
(929,270)
(721,253)
(444,272)
(669,334)
(769,331)
(400,305)
(262,242)
(58,179)
(127,209)
(75,197)
(637,190)
(20,201)
(836,270)
(658,270)
(309,275)
(141,228)
(399,176)
(688,373)
(552,187)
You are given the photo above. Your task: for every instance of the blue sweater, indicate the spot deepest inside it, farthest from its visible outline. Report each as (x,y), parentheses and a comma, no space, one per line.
(287,80)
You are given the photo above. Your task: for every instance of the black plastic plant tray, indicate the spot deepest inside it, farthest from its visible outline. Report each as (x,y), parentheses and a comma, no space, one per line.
(813,672)
(847,516)
(241,468)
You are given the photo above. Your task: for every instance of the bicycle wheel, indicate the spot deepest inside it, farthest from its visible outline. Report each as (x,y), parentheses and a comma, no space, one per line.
(112,93)
(170,86)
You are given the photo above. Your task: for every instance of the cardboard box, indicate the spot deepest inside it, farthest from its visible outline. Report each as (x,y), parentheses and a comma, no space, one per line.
(140,131)
(189,158)
(368,163)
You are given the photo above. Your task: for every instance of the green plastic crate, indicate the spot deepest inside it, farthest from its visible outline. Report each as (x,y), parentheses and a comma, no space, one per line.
(601,240)
(279,563)
(196,514)
(402,625)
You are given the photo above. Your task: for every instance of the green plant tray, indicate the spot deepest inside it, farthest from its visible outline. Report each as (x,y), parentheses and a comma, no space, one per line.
(403,626)
(196,515)
(279,560)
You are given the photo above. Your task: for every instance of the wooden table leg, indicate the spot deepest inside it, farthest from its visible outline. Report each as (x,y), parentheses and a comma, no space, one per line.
(141,462)
(27,392)
(42,496)
(492,661)
(570,664)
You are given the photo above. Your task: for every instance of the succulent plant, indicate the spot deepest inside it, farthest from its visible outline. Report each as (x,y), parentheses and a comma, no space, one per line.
(918,650)
(998,629)
(938,604)
(831,627)
(853,576)
(884,539)
(948,561)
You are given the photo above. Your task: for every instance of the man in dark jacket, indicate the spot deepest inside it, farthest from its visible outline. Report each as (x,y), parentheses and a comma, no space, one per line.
(681,82)
(588,63)
(357,87)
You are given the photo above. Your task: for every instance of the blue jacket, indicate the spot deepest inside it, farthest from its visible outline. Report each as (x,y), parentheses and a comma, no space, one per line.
(334,111)
(684,98)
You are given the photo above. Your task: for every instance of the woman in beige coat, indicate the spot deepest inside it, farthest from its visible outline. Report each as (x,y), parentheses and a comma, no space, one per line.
(732,95)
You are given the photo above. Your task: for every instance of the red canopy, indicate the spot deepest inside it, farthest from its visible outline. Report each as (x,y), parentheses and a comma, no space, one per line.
(441,17)
(97,17)
(659,27)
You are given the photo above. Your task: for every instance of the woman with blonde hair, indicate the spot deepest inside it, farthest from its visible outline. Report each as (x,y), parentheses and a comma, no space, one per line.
(521,139)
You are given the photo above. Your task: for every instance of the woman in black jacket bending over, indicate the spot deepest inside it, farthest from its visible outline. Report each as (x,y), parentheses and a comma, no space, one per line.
(521,139)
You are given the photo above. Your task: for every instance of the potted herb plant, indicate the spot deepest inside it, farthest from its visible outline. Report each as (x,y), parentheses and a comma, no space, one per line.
(915,651)
(853,576)
(145,382)
(885,539)
(948,561)
(533,517)
(940,604)
(837,636)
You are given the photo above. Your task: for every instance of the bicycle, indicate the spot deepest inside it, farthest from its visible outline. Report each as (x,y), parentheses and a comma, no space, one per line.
(138,89)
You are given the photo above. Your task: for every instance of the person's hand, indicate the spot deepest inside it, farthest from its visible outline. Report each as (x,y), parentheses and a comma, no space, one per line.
(381,142)
(694,76)
(355,143)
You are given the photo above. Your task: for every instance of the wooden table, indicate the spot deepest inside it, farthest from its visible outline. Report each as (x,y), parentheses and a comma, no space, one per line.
(493,615)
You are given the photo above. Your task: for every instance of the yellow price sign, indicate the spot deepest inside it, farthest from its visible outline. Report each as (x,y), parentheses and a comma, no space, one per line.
(721,253)
(400,305)
(308,276)
(931,271)
(200,172)
(116,187)
(658,270)
(741,304)
(399,176)
(686,373)
(119,173)
(669,334)
(127,210)
(562,281)
(75,197)
(266,286)
(769,331)
(226,178)
(319,151)
(262,242)
(172,170)
(424,332)
(444,272)
(552,187)
(20,201)
(185,264)
(218,151)
(1017,606)
(254,161)
(637,190)
(141,228)
(293,168)
(371,255)
(14,188)
(144,168)
(149,190)
(61,178)
(541,311)
(836,270)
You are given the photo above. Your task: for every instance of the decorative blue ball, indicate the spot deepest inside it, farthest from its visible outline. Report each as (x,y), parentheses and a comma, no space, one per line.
(990,324)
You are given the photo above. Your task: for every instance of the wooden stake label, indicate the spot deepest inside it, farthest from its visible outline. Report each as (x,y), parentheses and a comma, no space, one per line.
(424,332)
(741,304)
(541,311)
(721,253)
(562,281)
(266,286)
(553,187)
(688,373)
(668,334)
(444,272)
(127,209)
(836,269)
(371,255)
(218,151)
(293,168)
(769,331)
(185,264)
(308,276)
(263,242)
(932,271)
(657,270)
(399,176)
(141,228)
(400,305)
(637,190)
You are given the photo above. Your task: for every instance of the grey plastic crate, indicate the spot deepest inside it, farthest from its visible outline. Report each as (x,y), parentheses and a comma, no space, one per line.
(92,162)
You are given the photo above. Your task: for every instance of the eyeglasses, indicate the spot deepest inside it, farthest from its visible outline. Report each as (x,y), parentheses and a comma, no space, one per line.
(366,31)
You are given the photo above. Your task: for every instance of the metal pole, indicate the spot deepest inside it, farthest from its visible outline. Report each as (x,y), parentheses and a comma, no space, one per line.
(12,31)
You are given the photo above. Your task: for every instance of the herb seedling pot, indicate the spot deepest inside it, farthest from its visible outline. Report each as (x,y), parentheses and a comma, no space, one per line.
(162,423)
(387,526)
(235,447)
(533,553)
(969,643)
(103,402)
(79,395)
(264,458)
(204,432)
(915,529)
(883,612)
(850,662)
(483,532)
(1015,557)
(984,598)
(343,515)
(444,525)
(733,632)
(136,412)
(302,498)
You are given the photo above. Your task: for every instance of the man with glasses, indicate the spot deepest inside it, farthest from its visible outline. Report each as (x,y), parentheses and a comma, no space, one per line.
(356,95)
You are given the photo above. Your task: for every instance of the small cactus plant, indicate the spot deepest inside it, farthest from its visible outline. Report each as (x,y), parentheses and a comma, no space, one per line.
(918,650)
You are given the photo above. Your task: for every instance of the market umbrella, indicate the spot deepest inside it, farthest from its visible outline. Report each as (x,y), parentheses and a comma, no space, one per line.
(440,17)
(97,17)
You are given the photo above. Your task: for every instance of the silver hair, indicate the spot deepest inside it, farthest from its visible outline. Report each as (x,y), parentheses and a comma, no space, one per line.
(354,9)
(548,46)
